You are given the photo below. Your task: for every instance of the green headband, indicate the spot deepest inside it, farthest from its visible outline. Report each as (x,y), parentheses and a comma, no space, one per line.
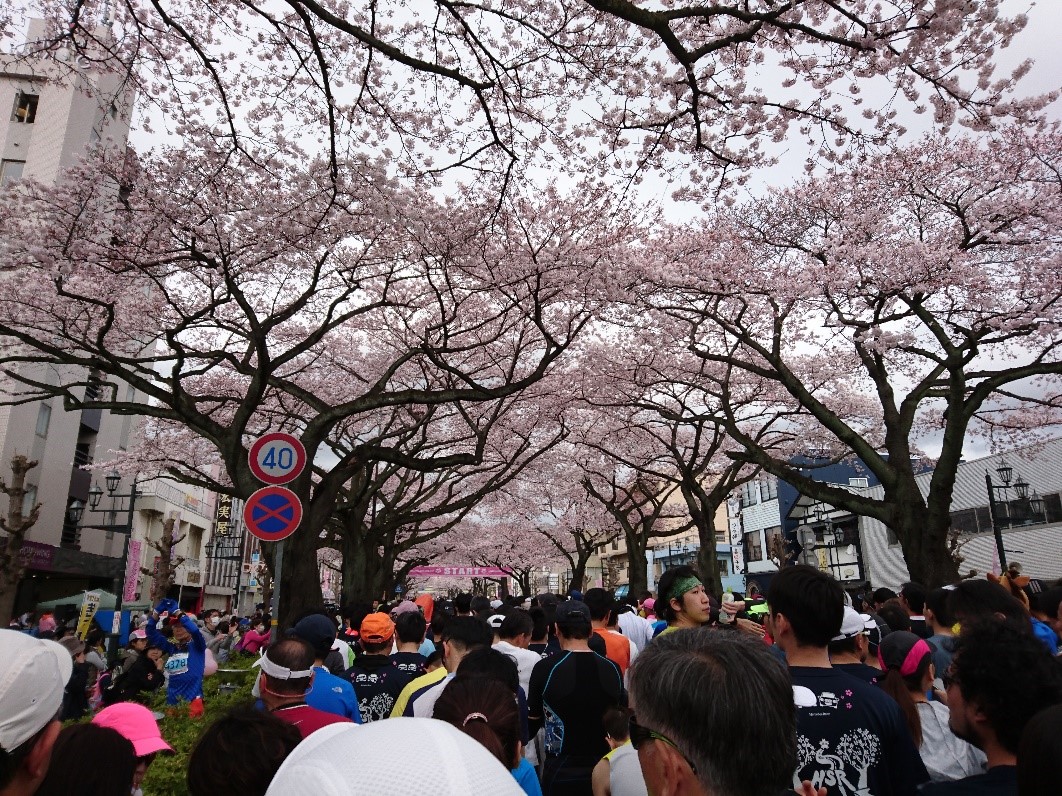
(683,585)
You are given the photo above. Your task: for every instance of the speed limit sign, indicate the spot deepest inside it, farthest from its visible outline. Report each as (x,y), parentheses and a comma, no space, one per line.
(277,458)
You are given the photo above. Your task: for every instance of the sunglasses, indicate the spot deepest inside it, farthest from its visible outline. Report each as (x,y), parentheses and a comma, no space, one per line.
(641,735)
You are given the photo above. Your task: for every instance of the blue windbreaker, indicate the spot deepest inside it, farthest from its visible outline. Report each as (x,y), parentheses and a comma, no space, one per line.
(185,665)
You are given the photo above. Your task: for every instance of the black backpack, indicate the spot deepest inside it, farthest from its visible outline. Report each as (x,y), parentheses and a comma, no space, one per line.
(112,688)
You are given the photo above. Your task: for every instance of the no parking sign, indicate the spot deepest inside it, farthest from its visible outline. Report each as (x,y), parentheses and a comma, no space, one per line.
(272,513)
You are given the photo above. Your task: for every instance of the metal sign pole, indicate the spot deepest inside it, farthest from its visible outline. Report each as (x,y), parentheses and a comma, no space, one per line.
(274,602)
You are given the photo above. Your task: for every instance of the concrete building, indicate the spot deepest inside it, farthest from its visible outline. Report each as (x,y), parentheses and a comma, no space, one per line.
(59,110)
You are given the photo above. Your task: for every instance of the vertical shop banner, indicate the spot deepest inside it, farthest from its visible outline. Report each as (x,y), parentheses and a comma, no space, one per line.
(132,570)
(88,610)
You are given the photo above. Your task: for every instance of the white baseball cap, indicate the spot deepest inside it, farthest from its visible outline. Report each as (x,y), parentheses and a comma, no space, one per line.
(33,674)
(375,758)
(854,623)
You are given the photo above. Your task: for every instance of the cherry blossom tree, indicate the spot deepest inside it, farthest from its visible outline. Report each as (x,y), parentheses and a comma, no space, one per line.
(626,485)
(390,515)
(913,298)
(651,388)
(494,90)
(560,523)
(239,299)
(286,260)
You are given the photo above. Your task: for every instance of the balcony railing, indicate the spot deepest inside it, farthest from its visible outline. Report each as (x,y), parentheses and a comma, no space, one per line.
(172,494)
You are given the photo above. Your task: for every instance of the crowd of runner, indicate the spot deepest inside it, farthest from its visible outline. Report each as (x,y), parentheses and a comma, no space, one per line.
(956,690)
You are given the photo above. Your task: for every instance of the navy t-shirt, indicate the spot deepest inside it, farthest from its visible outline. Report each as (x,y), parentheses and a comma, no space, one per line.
(377,682)
(851,737)
(412,663)
(868,674)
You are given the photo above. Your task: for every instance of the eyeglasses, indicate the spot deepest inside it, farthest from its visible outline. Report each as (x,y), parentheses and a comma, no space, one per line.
(640,735)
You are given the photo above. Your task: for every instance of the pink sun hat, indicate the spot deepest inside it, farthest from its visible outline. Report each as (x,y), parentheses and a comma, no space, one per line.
(136,724)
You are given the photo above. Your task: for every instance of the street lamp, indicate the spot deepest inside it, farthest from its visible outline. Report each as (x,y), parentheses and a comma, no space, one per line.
(75,511)
(1021,489)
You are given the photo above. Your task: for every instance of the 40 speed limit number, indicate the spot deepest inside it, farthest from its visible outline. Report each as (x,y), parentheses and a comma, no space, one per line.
(277,458)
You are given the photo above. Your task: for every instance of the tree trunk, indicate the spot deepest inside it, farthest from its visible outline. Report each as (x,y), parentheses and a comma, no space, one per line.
(923,535)
(265,578)
(578,580)
(702,514)
(364,578)
(16,525)
(300,579)
(579,562)
(708,564)
(163,577)
(637,563)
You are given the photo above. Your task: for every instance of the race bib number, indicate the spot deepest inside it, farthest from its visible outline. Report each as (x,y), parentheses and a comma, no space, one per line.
(177,664)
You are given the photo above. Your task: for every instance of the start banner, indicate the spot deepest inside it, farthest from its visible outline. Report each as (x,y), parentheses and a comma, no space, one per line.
(459,572)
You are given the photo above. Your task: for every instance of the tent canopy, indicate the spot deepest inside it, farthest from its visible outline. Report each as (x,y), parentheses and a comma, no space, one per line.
(107,600)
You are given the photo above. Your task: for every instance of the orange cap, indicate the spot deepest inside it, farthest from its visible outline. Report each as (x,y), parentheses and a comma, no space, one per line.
(376,628)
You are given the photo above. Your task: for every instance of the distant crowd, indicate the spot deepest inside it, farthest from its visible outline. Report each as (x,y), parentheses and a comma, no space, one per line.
(807,690)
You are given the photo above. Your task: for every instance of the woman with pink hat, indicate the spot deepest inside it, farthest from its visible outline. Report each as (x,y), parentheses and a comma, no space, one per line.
(137,724)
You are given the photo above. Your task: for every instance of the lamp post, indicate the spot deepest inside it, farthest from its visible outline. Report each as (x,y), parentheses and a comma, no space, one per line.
(1021,489)
(75,512)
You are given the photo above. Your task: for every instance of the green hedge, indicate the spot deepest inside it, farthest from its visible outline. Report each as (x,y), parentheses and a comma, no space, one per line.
(167,775)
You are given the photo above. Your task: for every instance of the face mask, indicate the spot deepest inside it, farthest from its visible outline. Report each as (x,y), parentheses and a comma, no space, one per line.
(214,620)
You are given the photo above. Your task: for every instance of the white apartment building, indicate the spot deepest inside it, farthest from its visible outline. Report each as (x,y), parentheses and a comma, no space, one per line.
(51,114)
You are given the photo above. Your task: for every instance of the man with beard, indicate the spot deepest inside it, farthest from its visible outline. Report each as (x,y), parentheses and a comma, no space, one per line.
(1000,678)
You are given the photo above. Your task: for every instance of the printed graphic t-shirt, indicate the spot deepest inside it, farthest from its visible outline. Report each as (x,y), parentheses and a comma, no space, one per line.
(377,683)
(851,737)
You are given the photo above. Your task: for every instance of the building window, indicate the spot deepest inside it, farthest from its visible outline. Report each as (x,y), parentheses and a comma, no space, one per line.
(775,544)
(29,500)
(861,483)
(724,567)
(1053,507)
(769,489)
(25,111)
(11,170)
(615,544)
(753,546)
(44,419)
(750,494)
(964,521)
(71,535)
